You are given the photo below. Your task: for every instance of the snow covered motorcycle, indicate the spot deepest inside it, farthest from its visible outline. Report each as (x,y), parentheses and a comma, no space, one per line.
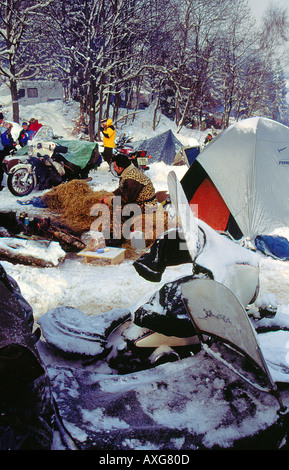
(199,311)
(160,330)
(44,166)
(199,314)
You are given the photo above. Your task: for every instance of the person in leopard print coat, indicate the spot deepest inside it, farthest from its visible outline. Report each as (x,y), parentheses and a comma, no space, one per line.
(134,187)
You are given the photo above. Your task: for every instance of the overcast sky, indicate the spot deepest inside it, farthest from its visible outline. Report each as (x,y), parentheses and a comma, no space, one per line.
(260,6)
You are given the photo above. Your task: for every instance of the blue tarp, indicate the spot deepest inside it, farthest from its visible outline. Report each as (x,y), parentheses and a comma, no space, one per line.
(161,148)
(273,245)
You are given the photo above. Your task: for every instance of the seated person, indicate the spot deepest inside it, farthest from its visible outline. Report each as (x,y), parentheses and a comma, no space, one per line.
(7,140)
(134,187)
(25,134)
(34,125)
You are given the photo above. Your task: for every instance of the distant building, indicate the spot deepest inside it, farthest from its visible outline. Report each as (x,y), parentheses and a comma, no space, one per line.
(39,91)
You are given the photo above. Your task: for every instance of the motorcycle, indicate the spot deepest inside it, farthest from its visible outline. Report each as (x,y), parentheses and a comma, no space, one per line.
(203,311)
(157,332)
(138,157)
(43,165)
(151,338)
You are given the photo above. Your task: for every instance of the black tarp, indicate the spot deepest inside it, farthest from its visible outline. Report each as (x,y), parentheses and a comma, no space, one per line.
(26,410)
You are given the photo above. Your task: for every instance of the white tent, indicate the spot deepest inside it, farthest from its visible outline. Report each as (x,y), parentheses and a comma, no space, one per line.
(249,165)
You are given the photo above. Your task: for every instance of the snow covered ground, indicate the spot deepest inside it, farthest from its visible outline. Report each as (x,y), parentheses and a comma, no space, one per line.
(74,283)
(90,287)
(96,289)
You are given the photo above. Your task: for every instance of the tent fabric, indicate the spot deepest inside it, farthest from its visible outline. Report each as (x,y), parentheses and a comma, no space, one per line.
(248,164)
(216,214)
(194,182)
(187,155)
(162,147)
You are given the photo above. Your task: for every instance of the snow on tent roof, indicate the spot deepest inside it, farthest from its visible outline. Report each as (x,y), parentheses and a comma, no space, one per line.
(248,163)
(162,147)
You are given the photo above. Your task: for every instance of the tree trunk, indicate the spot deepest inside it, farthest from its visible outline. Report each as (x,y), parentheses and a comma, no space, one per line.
(177,109)
(92,111)
(155,112)
(182,121)
(100,111)
(15,104)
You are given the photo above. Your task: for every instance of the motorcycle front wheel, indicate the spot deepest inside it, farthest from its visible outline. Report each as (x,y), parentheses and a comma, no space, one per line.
(20,183)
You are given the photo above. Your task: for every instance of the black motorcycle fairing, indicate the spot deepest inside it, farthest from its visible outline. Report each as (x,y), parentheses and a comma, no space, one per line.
(26,407)
(14,288)
(165,251)
(168,250)
(165,312)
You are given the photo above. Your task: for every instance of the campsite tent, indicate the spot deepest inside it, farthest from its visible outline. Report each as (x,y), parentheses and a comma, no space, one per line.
(162,147)
(188,154)
(240,181)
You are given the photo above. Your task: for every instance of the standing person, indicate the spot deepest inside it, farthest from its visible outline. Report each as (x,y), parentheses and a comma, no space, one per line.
(1,122)
(34,125)
(208,138)
(2,130)
(7,140)
(108,131)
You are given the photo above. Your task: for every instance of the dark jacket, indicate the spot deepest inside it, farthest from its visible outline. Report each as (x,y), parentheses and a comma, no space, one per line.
(135,187)
(24,136)
(7,142)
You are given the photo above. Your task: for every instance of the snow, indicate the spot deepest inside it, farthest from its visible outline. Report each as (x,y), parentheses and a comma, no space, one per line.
(51,254)
(89,287)
(61,116)
(94,289)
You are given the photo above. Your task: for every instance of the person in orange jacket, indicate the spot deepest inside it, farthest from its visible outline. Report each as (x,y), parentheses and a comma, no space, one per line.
(108,131)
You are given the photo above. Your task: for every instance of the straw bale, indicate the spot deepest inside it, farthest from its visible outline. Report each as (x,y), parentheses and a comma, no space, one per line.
(60,196)
(74,200)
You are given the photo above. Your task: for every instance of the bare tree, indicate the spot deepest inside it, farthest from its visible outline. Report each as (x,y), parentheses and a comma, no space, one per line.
(192,55)
(98,44)
(16,17)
